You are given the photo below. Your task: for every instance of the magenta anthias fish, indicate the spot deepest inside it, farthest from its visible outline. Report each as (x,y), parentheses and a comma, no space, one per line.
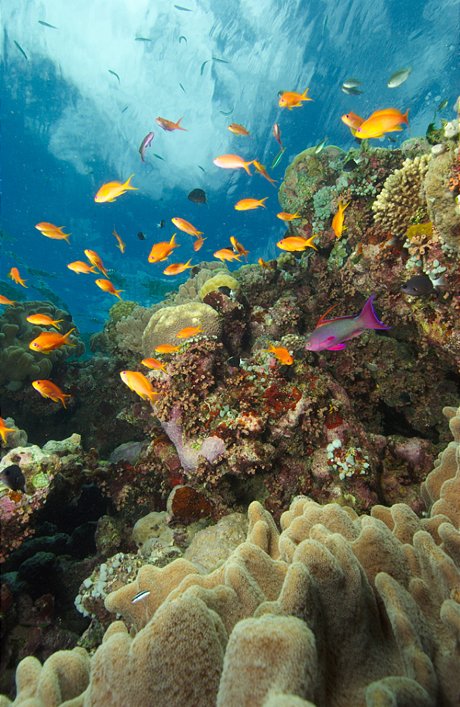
(331,334)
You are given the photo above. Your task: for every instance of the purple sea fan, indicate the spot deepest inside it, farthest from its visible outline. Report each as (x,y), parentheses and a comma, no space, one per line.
(190,451)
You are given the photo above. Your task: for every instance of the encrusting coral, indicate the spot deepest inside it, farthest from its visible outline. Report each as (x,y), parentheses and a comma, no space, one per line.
(338,610)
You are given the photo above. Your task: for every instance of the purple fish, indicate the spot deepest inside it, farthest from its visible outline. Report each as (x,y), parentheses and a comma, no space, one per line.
(331,334)
(145,143)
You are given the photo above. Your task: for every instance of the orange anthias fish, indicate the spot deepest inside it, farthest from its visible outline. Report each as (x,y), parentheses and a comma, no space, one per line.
(352,121)
(107,286)
(121,245)
(169,125)
(4,430)
(185,226)
(80,267)
(380,122)
(43,320)
(161,251)
(262,170)
(292,99)
(177,268)
(15,275)
(297,243)
(189,331)
(232,162)
(263,264)
(5,300)
(282,354)
(111,190)
(139,384)
(337,222)
(198,243)
(249,204)
(49,341)
(238,129)
(285,216)
(48,389)
(166,348)
(51,231)
(238,247)
(96,260)
(154,364)
(226,254)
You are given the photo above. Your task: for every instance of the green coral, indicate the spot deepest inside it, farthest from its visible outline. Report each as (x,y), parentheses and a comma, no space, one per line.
(338,255)
(18,364)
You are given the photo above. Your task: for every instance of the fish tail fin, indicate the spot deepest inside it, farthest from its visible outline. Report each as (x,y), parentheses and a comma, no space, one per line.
(368,319)
(406,117)
(246,166)
(264,200)
(66,337)
(117,293)
(178,125)
(56,322)
(187,264)
(127,184)
(63,398)
(305,95)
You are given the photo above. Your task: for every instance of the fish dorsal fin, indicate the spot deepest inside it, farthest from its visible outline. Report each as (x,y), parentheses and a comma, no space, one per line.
(322,320)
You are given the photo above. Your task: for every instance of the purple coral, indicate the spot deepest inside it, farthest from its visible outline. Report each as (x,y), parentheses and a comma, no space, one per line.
(190,451)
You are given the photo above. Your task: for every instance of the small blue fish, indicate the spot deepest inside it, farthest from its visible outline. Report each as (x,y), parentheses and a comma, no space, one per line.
(114,73)
(46,24)
(21,50)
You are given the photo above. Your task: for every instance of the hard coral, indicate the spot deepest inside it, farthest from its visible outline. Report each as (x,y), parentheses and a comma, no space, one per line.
(18,364)
(402,196)
(290,600)
(165,323)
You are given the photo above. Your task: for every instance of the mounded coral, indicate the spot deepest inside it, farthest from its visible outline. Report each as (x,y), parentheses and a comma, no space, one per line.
(222,279)
(168,321)
(402,199)
(336,610)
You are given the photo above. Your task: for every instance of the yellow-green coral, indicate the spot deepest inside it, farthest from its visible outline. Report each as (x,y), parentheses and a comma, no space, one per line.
(222,279)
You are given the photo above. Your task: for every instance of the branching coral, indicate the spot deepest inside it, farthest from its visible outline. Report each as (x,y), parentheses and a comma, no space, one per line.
(402,196)
(337,609)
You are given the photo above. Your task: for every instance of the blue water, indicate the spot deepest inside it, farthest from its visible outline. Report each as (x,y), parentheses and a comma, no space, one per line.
(68,125)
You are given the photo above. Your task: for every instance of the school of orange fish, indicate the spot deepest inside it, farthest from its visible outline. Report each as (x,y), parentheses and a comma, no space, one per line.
(374,126)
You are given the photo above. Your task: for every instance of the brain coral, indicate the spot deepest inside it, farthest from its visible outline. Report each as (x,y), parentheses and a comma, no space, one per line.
(402,197)
(336,610)
(167,321)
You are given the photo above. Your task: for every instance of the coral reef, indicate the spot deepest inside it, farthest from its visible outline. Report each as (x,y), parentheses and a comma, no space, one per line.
(18,364)
(18,509)
(166,322)
(401,200)
(337,609)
